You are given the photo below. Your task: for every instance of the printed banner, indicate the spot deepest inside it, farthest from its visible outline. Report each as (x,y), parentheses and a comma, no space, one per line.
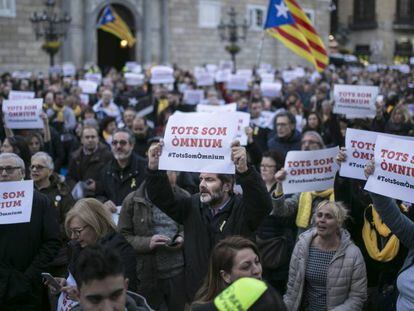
(394,168)
(310,170)
(23,113)
(217,108)
(238,83)
(88,87)
(355,100)
(16,198)
(162,75)
(21,95)
(199,142)
(134,79)
(360,146)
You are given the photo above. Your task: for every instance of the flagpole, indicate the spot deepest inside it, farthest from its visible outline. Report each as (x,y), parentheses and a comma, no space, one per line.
(258,60)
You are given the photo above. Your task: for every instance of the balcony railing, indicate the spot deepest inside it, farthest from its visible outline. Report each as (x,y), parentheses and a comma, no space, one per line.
(403,23)
(362,24)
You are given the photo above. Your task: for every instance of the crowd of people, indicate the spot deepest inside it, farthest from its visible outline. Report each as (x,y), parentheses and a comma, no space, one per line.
(117,233)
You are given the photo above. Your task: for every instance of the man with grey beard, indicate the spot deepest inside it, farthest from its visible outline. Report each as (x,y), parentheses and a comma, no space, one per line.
(124,173)
(212,214)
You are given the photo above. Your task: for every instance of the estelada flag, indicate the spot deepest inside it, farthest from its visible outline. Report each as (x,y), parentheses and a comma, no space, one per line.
(287,22)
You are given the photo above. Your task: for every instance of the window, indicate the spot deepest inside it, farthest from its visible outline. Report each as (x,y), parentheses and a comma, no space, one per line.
(7,8)
(405,12)
(209,13)
(256,16)
(364,15)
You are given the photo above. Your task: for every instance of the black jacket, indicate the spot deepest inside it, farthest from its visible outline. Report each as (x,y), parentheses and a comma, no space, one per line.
(114,241)
(26,249)
(116,183)
(241,216)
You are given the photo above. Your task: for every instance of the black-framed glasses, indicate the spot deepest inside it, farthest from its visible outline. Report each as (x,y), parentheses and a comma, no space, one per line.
(37,167)
(9,169)
(76,232)
(120,142)
(266,166)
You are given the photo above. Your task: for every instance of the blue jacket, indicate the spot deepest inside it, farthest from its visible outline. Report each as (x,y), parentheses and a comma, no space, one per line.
(282,145)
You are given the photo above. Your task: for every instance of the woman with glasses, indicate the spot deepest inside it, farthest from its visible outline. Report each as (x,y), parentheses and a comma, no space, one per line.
(89,223)
(275,237)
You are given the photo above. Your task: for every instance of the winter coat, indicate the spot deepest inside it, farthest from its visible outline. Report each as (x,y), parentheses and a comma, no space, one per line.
(240,216)
(116,183)
(114,241)
(26,249)
(83,167)
(346,284)
(284,145)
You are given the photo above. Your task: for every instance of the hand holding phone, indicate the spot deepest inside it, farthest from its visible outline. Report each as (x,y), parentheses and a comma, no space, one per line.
(51,281)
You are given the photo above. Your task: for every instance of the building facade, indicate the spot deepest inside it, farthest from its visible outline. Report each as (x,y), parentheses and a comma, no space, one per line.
(381,31)
(182,32)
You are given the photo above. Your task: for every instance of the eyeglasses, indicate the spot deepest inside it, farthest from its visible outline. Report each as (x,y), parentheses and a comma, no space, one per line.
(9,169)
(121,142)
(282,124)
(76,232)
(267,166)
(37,167)
(310,142)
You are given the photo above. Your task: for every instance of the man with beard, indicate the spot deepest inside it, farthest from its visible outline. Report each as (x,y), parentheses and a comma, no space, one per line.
(87,162)
(142,134)
(213,213)
(123,174)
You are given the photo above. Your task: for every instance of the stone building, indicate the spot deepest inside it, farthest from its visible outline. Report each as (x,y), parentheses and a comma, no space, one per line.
(379,30)
(167,31)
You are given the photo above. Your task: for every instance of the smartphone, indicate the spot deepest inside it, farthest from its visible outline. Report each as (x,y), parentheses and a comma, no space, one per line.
(51,280)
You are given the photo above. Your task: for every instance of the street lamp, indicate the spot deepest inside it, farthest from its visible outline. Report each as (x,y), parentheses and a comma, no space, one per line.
(51,27)
(229,31)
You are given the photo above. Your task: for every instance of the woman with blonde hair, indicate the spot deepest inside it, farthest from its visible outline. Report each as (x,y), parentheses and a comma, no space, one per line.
(327,270)
(90,223)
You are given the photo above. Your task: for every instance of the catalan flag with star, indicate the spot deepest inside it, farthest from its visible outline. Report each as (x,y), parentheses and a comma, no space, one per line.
(287,22)
(111,22)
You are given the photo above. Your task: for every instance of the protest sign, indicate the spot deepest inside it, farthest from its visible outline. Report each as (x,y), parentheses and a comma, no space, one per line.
(193,97)
(133,67)
(84,99)
(225,64)
(217,108)
(162,75)
(394,168)
(16,199)
(199,142)
(134,79)
(21,95)
(21,74)
(247,73)
(267,77)
(355,100)
(310,170)
(23,113)
(204,79)
(68,69)
(268,117)
(242,123)
(222,75)
(270,89)
(94,77)
(211,68)
(88,87)
(238,83)
(290,75)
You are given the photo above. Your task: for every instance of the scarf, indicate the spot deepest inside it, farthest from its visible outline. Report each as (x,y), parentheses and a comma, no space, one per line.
(305,205)
(370,230)
(59,113)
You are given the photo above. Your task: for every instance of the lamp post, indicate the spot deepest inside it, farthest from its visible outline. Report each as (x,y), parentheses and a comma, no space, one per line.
(233,32)
(51,27)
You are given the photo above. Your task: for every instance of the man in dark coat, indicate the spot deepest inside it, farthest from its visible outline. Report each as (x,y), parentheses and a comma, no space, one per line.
(286,136)
(213,213)
(87,162)
(26,249)
(123,174)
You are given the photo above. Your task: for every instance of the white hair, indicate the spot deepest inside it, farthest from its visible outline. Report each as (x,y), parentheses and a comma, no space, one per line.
(47,158)
(8,155)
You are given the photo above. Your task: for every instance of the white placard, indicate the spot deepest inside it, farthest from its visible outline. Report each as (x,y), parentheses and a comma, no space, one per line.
(133,67)
(84,99)
(68,69)
(270,89)
(94,77)
(267,77)
(21,95)
(217,108)
(222,75)
(199,142)
(243,123)
(290,75)
(225,64)
(238,83)
(21,74)
(193,97)
(394,169)
(247,73)
(360,146)
(23,113)
(204,79)
(16,199)
(162,75)
(268,117)
(211,68)
(134,79)
(115,215)
(88,87)
(355,100)
(310,170)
